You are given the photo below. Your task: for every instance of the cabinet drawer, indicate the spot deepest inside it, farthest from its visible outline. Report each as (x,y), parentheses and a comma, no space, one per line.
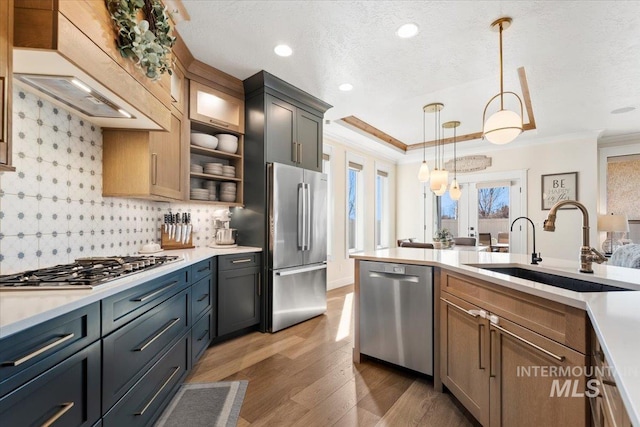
(200,337)
(202,269)
(129,351)
(69,393)
(125,306)
(235,261)
(564,324)
(201,298)
(146,400)
(27,354)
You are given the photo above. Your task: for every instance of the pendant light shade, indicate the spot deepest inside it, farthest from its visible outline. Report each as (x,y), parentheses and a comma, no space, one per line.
(441,190)
(439,177)
(454,190)
(423,173)
(503,126)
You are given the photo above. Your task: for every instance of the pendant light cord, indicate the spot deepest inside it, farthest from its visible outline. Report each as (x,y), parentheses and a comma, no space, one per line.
(501,79)
(424,136)
(455,160)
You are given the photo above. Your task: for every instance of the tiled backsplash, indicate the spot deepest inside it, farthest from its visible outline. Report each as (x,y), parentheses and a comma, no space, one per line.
(52,210)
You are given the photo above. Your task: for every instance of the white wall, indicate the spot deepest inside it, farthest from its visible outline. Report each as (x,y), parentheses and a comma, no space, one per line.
(572,154)
(340,268)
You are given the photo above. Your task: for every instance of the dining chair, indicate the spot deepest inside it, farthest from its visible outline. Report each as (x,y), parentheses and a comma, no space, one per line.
(484,239)
(404,243)
(464,241)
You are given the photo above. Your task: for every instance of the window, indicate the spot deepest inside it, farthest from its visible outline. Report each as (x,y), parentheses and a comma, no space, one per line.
(382,210)
(448,213)
(326,168)
(355,204)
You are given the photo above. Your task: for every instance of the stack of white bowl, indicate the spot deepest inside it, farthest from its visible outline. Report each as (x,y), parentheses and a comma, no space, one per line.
(228,191)
(204,140)
(229,171)
(199,194)
(211,188)
(196,168)
(227,143)
(214,168)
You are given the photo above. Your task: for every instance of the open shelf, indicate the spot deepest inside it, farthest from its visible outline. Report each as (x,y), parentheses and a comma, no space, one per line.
(214,177)
(217,153)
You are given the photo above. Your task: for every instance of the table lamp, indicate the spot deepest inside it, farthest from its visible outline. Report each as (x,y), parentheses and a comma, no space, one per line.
(612,224)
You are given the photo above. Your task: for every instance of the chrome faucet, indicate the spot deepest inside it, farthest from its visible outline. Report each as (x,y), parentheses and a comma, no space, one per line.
(588,255)
(535,258)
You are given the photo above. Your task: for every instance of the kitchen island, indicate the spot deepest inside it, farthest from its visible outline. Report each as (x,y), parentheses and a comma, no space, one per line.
(613,316)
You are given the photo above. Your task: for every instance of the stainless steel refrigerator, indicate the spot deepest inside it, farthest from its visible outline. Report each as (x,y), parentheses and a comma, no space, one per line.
(296,245)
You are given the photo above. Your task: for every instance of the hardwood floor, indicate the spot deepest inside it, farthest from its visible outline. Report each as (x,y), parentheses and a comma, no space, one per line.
(304,376)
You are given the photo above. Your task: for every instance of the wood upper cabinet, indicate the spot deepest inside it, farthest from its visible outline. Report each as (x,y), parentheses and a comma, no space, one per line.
(178,88)
(494,344)
(6,43)
(213,107)
(294,136)
(144,164)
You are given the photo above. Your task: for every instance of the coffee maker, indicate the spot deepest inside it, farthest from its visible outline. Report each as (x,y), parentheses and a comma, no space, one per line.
(223,236)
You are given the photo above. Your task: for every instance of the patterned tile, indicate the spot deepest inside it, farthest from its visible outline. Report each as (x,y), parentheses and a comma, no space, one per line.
(26,132)
(25,179)
(20,253)
(53,216)
(19,215)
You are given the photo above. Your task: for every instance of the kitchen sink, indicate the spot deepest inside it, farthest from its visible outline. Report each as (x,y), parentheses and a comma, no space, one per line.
(569,283)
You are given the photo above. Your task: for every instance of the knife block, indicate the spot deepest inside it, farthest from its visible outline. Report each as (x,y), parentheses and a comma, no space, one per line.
(167,243)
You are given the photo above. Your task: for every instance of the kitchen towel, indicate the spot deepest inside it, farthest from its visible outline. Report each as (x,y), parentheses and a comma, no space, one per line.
(205,404)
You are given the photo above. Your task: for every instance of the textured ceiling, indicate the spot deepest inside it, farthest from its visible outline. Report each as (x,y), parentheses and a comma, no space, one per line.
(582,58)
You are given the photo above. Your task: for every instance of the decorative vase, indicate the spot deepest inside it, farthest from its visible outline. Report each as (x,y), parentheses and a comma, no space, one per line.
(437,245)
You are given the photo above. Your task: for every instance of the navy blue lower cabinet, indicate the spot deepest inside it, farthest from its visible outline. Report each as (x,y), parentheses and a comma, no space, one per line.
(201,336)
(146,400)
(29,353)
(238,299)
(67,394)
(129,351)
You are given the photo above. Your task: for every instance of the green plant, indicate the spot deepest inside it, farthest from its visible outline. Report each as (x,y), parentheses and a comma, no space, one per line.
(148,41)
(442,235)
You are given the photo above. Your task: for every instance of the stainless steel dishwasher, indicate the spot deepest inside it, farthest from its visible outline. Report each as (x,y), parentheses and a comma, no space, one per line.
(396,314)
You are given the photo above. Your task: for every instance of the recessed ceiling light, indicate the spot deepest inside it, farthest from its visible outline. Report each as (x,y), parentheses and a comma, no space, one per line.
(407,31)
(345,87)
(623,110)
(283,50)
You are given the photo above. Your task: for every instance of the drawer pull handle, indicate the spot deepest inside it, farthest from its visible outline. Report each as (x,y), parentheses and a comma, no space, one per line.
(63,410)
(240,261)
(153,294)
(204,334)
(537,347)
(472,313)
(40,351)
(165,329)
(203,297)
(203,269)
(219,123)
(173,374)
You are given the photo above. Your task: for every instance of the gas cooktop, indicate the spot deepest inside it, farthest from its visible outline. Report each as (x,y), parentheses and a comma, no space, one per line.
(84,273)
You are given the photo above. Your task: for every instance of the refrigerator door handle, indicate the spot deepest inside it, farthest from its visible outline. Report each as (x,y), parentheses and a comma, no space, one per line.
(308,217)
(301,270)
(301,216)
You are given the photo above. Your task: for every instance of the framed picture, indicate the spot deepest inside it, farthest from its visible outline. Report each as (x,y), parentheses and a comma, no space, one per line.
(558,187)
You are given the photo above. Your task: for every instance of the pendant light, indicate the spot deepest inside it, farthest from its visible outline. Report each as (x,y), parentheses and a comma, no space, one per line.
(454,189)
(439,176)
(503,126)
(423,173)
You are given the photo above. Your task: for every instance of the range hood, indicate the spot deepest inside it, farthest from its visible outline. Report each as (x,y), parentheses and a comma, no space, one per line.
(75,94)
(64,84)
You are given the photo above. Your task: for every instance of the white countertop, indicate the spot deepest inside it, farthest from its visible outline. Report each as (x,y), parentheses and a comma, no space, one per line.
(20,310)
(615,316)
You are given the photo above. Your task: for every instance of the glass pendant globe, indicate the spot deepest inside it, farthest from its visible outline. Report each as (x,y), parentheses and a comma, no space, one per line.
(454,190)
(439,177)
(423,173)
(502,127)
(441,191)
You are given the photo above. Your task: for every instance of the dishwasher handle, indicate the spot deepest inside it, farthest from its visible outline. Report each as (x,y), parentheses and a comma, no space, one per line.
(394,276)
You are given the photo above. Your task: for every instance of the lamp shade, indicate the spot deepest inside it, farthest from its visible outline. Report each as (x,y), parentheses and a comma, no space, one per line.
(615,223)
(454,190)
(441,190)
(439,177)
(423,173)
(502,127)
